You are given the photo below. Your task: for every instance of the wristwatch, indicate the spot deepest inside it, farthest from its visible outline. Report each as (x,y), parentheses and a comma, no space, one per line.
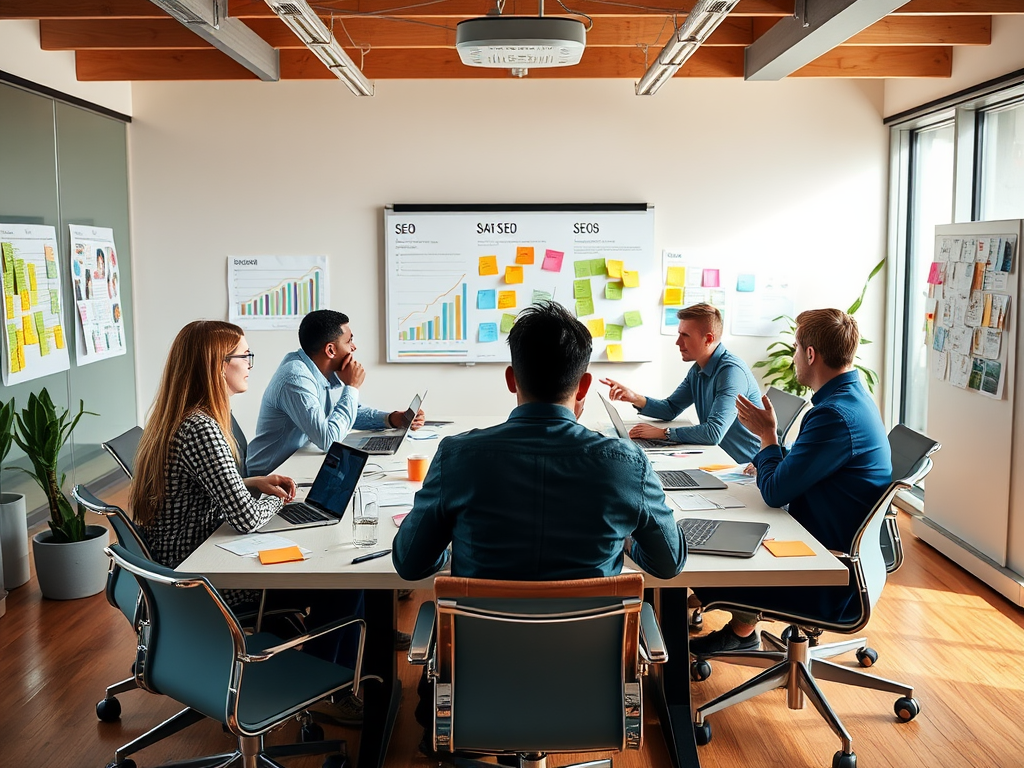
(667,435)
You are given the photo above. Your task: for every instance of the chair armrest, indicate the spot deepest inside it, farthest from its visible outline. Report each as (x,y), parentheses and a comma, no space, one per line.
(268,653)
(422,645)
(652,644)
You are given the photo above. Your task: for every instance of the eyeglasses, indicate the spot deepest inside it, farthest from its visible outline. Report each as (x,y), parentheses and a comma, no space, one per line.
(248,355)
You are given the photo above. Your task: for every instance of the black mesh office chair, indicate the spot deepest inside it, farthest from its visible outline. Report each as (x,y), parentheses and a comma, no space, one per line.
(908,448)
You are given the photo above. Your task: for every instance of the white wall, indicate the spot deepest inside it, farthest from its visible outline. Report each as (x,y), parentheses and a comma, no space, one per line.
(20,55)
(787,175)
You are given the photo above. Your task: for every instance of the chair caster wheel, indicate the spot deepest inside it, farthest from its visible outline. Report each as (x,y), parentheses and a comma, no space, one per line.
(311,732)
(696,620)
(702,733)
(700,670)
(906,708)
(789,633)
(335,761)
(867,656)
(108,710)
(844,760)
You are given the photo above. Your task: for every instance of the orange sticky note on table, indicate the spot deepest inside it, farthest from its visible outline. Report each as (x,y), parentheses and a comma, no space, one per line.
(717,467)
(524,254)
(788,548)
(513,275)
(488,265)
(282,555)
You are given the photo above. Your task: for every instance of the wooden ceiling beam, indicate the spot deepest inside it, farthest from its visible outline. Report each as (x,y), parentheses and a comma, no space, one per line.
(927,30)
(881,62)
(960,8)
(80,9)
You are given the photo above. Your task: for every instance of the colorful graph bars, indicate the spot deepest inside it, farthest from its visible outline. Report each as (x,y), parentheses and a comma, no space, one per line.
(450,325)
(294,297)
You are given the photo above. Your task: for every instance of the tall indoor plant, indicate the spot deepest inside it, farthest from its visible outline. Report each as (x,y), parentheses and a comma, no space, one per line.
(13,521)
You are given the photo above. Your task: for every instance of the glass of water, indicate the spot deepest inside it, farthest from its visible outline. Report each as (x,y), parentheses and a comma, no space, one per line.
(364,517)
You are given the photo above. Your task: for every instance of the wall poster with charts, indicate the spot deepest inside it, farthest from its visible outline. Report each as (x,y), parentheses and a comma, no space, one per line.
(96,281)
(275,292)
(457,277)
(33,334)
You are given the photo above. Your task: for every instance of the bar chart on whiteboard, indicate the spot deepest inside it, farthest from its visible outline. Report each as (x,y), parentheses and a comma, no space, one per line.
(431,294)
(275,292)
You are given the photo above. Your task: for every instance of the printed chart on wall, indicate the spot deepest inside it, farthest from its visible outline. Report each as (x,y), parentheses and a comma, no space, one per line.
(968,311)
(457,278)
(275,292)
(34,342)
(97,285)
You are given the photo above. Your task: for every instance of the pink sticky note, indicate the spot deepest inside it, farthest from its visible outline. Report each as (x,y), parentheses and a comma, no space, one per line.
(552,260)
(710,278)
(935,274)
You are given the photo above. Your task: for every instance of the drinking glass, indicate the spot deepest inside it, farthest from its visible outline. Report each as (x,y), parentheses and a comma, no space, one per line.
(364,517)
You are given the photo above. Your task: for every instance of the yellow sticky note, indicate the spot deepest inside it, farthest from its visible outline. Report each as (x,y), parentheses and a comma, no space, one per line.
(26,303)
(676,276)
(673,297)
(614,268)
(596,327)
(282,555)
(10,307)
(32,285)
(506,299)
(614,351)
(29,330)
(717,467)
(58,336)
(524,254)
(788,548)
(513,275)
(488,265)
(630,278)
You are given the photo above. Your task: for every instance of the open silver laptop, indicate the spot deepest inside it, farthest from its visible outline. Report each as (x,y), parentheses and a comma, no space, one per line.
(386,442)
(734,538)
(328,498)
(621,431)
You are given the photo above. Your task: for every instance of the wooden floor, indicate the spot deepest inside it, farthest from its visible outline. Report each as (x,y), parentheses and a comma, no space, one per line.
(957,641)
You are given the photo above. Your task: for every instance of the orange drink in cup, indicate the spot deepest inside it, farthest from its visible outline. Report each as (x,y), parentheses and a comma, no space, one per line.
(418,467)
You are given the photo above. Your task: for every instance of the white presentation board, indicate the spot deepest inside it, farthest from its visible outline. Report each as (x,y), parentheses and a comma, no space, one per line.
(457,276)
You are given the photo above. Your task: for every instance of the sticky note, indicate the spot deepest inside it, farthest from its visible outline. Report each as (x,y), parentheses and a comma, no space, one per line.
(487,332)
(671,316)
(673,297)
(582,268)
(613,332)
(633,319)
(54,302)
(935,273)
(58,336)
(584,307)
(507,321)
(32,284)
(524,254)
(710,278)
(51,262)
(745,283)
(486,299)
(598,268)
(28,330)
(488,265)
(718,467)
(581,289)
(788,548)
(506,299)
(596,327)
(539,296)
(676,276)
(513,275)
(44,342)
(613,290)
(614,268)
(552,261)
(26,302)
(282,555)
(9,301)
(630,278)
(693,277)
(614,352)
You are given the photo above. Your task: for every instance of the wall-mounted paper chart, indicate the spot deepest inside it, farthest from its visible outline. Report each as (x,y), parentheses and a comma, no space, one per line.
(275,292)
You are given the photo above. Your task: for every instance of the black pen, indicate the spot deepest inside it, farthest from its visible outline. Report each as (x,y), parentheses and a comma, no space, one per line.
(371,556)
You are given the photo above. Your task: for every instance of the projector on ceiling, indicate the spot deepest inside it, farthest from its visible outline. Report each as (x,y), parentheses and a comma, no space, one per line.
(520,42)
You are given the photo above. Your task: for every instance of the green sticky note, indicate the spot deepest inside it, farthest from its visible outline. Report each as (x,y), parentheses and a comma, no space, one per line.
(9,283)
(613,291)
(633,318)
(12,334)
(598,268)
(581,289)
(507,321)
(584,307)
(44,343)
(612,332)
(40,322)
(582,268)
(51,269)
(539,296)
(54,302)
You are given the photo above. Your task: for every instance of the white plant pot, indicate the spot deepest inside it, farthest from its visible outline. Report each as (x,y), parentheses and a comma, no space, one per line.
(67,571)
(14,539)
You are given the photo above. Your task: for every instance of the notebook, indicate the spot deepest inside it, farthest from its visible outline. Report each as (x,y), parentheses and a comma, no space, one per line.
(328,498)
(386,442)
(722,537)
(621,431)
(689,480)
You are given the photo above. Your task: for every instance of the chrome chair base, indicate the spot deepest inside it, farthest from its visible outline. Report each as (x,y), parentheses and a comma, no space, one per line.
(532,761)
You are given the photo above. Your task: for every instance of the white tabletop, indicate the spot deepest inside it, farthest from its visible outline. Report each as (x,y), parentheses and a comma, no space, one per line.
(330,564)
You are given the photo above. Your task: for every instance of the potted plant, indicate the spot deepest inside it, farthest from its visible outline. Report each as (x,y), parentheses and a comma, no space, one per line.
(13,522)
(69,558)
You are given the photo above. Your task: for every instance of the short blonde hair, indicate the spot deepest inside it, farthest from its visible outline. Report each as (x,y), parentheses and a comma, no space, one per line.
(833,334)
(709,317)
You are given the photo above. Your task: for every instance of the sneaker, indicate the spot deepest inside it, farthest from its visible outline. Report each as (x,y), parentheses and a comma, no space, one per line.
(723,639)
(402,641)
(344,711)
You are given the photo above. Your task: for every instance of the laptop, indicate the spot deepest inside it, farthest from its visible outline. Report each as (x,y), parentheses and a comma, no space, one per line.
(732,538)
(621,431)
(328,498)
(387,442)
(689,480)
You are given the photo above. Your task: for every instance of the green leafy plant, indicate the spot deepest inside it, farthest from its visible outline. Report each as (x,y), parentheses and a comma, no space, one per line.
(40,431)
(779,361)
(6,426)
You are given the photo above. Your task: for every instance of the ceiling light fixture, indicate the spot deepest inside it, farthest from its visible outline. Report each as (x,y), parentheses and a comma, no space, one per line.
(310,29)
(698,26)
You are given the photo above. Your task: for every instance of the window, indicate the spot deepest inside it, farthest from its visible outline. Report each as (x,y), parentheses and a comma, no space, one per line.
(1001,184)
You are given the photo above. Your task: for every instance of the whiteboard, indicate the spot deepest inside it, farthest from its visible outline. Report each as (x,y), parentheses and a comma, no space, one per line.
(456,277)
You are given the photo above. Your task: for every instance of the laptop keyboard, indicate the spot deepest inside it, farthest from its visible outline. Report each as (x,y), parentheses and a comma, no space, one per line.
(382,444)
(697,531)
(673,478)
(297,514)
(643,442)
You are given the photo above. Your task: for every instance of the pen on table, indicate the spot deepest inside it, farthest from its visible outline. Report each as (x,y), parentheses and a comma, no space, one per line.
(371,556)
(686,453)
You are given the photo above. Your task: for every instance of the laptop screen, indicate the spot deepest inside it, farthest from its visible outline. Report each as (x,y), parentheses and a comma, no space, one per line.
(411,412)
(337,479)
(620,427)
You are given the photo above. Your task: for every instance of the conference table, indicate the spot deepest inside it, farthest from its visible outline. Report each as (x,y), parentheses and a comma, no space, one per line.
(330,567)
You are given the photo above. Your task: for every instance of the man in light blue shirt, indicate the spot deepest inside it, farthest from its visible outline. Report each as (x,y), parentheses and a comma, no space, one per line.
(313,396)
(711,385)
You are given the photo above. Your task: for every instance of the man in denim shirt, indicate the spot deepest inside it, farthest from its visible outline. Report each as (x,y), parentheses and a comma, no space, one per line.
(313,396)
(711,385)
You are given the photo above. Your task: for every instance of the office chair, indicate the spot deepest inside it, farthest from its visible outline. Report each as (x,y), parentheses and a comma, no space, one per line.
(532,668)
(908,448)
(193,649)
(796,659)
(787,408)
(123,449)
(243,447)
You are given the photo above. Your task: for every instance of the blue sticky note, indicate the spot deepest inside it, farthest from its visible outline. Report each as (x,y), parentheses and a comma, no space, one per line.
(671,316)
(488,331)
(744,283)
(486,299)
